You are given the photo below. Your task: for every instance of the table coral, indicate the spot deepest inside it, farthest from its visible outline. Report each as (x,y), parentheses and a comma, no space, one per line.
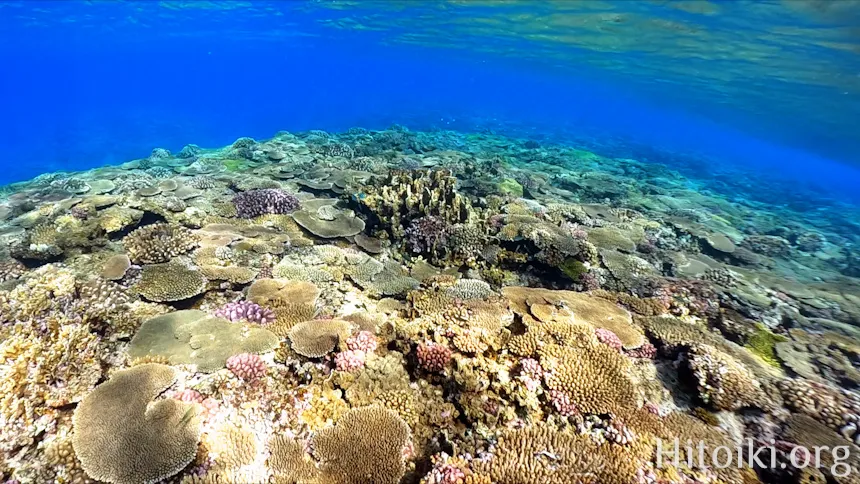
(121,437)
(365,445)
(193,337)
(170,282)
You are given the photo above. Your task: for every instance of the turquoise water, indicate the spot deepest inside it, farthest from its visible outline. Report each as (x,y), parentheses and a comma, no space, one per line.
(429,242)
(758,84)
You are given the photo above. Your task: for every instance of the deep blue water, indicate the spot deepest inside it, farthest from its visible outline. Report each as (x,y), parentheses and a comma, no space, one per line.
(92,83)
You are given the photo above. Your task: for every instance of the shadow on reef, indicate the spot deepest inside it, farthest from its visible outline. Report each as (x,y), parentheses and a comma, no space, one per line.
(429,307)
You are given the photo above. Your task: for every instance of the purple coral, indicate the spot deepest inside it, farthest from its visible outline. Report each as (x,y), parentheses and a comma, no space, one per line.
(646,351)
(247,366)
(246,310)
(254,203)
(426,233)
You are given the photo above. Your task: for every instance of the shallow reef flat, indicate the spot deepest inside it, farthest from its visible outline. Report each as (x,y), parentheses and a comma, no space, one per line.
(419,307)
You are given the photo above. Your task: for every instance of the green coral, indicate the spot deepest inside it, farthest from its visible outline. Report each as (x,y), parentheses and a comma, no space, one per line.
(234,165)
(509,186)
(573,268)
(763,343)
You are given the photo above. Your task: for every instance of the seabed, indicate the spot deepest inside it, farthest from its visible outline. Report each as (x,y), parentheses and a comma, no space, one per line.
(435,307)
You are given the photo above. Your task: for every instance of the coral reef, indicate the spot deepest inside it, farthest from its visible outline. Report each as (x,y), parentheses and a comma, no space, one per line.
(416,307)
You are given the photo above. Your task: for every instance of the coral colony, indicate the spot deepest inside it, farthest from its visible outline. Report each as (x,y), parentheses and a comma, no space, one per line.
(436,308)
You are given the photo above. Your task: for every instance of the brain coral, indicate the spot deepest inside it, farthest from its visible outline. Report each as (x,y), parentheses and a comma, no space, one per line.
(170,282)
(158,243)
(365,446)
(194,337)
(121,437)
(254,203)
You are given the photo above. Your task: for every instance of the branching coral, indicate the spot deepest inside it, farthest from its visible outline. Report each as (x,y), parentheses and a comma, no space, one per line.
(408,195)
(159,242)
(254,203)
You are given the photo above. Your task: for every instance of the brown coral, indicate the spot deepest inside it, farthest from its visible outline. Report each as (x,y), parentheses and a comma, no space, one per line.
(158,243)
(289,462)
(121,437)
(595,378)
(317,338)
(366,445)
(723,381)
(170,282)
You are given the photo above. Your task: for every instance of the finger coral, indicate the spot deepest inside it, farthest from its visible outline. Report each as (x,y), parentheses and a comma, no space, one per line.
(246,311)
(121,437)
(247,366)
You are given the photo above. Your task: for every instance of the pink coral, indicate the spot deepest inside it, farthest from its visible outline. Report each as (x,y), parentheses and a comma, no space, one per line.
(363,341)
(609,338)
(531,368)
(433,357)
(646,351)
(562,404)
(210,405)
(445,474)
(350,360)
(247,366)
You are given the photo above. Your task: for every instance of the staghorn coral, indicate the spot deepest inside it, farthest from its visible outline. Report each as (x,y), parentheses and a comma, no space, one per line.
(121,437)
(158,243)
(255,203)
(193,337)
(170,282)
(365,445)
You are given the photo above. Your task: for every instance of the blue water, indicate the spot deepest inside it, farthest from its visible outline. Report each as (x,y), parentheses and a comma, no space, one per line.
(771,89)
